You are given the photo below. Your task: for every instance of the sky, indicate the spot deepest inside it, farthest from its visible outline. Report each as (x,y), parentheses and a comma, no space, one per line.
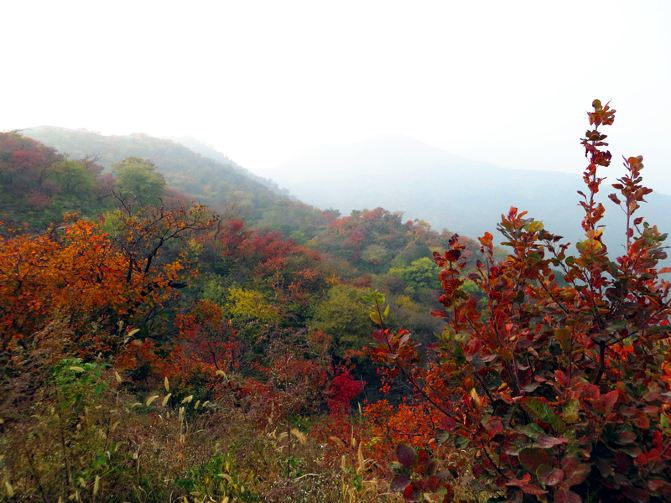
(501,81)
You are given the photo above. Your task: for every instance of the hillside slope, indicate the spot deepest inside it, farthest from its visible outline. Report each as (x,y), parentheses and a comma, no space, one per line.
(219,183)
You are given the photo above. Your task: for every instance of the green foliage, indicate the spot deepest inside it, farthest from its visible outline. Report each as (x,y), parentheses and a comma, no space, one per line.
(196,171)
(77,382)
(77,187)
(249,305)
(215,289)
(138,182)
(217,478)
(379,313)
(344,315)
(38,186)
(420,275)
(376,254)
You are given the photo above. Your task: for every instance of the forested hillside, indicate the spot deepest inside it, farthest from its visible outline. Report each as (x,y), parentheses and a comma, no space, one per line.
(174,329)
(220,183)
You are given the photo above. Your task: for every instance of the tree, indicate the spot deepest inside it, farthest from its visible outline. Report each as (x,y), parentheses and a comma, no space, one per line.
(138,182)
(38,186)
(419,275)
(343,316)
(557,383)
(206,339)
(250,311)
(74,277)
(146,237)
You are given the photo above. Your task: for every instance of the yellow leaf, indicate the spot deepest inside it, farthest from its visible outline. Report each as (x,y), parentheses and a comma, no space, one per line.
(299,435)
(165,399)
(563,335)
(150,400)
(337,441)
(226,476)
(476,398)
(360,458)
(166,384)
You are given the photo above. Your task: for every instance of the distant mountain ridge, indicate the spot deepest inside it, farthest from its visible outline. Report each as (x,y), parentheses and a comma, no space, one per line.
(194,169)
(210,152)
(448,191)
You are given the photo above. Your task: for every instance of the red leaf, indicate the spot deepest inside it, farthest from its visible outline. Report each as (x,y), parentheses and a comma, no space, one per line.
(486,240)
(626,437)
(614,198)
(526,478)
(406,455)
(550,476)
(533,489)
(494,426)
(574,471)
(609,400)
(411,493)
(452,255)
(532,457)
(400,482)
(566,496)
(547,441)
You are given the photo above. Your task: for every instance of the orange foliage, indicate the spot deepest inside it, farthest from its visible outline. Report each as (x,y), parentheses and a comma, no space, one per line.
(75,275)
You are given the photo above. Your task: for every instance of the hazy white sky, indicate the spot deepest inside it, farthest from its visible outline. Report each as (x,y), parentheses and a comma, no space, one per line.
(502,81)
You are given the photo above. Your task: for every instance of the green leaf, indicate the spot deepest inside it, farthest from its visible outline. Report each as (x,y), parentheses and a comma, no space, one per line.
(531,430)
(543,412)
(442,437)
(571,410)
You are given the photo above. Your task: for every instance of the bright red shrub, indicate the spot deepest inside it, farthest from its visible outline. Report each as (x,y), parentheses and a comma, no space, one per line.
(342,389)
